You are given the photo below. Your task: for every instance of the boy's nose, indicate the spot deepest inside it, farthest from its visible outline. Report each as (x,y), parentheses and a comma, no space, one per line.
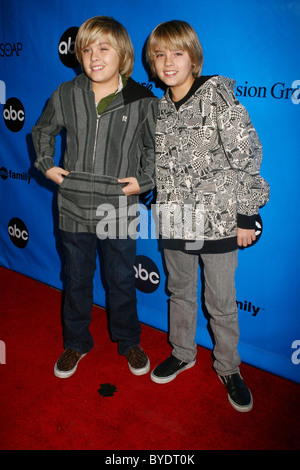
(168,59)
(94,55)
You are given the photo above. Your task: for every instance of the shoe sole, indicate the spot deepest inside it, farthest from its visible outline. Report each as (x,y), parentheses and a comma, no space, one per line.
(141,371)
(236,406)
(240,408)
(66,374)
(165,380)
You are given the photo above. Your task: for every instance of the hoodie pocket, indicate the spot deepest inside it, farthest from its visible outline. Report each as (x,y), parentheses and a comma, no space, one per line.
(80,194)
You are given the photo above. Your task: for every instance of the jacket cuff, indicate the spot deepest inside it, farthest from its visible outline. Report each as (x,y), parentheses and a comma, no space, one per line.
(44,164)
(246,221)
(146,183)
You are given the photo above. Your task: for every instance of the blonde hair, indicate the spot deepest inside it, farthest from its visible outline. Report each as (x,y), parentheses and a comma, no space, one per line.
(175,35)
(116,34)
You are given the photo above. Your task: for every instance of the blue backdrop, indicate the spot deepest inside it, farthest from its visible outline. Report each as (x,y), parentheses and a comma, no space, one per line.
(256,43)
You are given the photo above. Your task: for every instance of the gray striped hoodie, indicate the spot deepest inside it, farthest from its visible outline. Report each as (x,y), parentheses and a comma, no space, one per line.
(99,149)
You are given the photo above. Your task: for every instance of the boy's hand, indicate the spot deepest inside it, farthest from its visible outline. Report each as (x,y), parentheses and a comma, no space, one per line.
(56,174)
(132,187)
(245,237)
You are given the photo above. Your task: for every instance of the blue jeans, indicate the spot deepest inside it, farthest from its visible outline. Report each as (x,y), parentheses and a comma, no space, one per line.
(118,255)
(220,301)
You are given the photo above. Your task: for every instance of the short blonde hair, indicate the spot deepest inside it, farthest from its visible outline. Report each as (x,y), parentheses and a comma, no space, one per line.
(116,34)
(175,35)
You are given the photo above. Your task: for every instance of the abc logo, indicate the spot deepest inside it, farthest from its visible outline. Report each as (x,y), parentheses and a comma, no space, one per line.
(18,232)
(258,231)
(258,227)
(66,48)
(3,173)
(14,114)
(147,277)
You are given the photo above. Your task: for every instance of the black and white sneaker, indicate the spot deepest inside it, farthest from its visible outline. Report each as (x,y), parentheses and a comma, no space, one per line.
(239,395)
(169,369)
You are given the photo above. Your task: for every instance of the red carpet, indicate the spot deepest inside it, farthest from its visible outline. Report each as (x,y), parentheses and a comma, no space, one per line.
(41,412)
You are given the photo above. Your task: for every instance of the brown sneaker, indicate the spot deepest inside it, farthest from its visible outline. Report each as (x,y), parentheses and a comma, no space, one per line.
(67,363)
(138,362)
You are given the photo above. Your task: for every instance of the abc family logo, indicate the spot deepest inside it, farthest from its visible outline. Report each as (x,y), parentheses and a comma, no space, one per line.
(18,232)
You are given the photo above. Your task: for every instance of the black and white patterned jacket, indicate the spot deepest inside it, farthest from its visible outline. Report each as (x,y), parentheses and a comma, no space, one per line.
(208,153)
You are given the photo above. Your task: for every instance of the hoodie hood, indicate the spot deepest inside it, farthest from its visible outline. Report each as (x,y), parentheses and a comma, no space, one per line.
(132,91)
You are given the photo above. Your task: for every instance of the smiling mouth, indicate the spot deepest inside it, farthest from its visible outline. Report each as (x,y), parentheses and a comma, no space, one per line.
(96,68)
(170,73)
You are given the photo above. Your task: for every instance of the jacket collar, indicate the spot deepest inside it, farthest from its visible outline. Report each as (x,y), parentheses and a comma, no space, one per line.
(194,91)
(132,91)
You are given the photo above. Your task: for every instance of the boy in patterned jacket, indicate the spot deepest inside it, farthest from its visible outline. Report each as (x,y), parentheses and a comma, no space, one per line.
(109,160)
(208,159)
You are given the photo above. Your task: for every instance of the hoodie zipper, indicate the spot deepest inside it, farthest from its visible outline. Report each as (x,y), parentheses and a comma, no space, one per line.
(96,138)
(95,143)
(96,134)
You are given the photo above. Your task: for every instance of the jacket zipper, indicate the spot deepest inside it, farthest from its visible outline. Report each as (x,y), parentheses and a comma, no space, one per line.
(96,138)
(96,134)
(95,143)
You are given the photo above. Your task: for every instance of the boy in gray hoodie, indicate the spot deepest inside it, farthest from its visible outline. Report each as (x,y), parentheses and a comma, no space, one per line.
(109,160)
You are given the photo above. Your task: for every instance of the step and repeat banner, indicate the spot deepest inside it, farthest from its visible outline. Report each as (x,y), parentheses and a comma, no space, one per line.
(255,42)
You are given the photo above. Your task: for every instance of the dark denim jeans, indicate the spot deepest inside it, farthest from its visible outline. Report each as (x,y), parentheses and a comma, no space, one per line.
(118,255)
